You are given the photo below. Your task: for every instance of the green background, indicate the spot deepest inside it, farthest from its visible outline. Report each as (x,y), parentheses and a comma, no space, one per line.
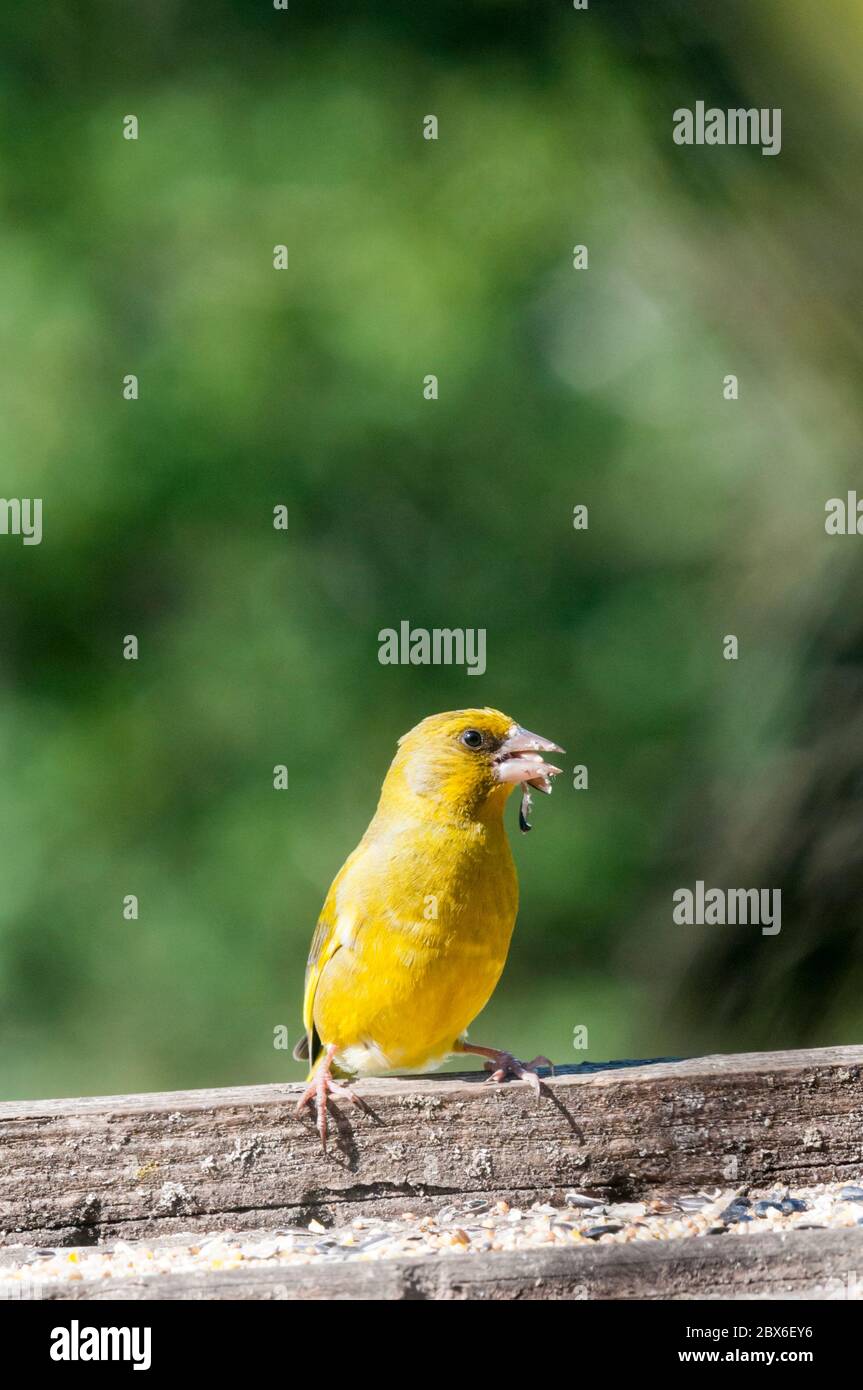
(601,387)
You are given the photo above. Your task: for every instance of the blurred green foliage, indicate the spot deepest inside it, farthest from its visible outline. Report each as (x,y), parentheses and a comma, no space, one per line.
(557,387)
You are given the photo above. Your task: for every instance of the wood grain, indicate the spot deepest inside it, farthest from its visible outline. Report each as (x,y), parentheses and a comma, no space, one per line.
(82,1171)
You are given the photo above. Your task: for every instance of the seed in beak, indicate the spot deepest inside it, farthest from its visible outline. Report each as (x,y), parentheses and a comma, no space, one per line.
(520,761)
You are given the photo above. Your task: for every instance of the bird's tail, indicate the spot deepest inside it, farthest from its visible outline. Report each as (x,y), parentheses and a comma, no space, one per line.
(309,1047)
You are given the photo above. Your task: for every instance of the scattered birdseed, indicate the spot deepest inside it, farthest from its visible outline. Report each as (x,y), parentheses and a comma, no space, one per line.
(693,1203)
(769,1204)
(466,1228)
(737,1211)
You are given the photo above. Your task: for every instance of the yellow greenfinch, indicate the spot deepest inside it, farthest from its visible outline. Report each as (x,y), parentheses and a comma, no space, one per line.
(415,929)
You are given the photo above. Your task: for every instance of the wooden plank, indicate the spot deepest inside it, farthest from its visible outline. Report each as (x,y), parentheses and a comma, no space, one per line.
(795,1264)
(77,1172)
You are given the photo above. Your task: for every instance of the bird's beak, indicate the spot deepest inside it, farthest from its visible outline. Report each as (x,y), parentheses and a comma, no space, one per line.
(519,759)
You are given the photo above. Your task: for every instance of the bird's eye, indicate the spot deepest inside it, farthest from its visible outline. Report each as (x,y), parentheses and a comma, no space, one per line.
(472,738)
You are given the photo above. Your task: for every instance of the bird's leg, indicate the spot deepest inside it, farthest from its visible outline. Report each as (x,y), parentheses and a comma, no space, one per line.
(322,1085)
(502,1065)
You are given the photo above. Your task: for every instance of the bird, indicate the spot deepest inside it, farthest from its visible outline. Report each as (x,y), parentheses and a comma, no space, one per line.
(415,930)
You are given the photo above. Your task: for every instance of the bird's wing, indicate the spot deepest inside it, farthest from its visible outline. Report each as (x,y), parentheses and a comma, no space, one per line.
(328,939)
(325,943)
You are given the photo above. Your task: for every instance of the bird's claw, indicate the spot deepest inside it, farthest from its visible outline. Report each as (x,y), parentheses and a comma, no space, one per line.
(319,1090)
(505,1067)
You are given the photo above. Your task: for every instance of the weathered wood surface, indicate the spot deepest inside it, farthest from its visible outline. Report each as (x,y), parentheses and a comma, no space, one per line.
(78,1172)
(795,1264)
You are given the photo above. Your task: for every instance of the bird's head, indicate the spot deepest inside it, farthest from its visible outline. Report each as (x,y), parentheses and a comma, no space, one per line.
(467,762)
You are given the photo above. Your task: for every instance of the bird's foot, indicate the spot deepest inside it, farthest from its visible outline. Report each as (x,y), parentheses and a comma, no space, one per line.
(502,1066)
(505,1067)
(320,1088)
